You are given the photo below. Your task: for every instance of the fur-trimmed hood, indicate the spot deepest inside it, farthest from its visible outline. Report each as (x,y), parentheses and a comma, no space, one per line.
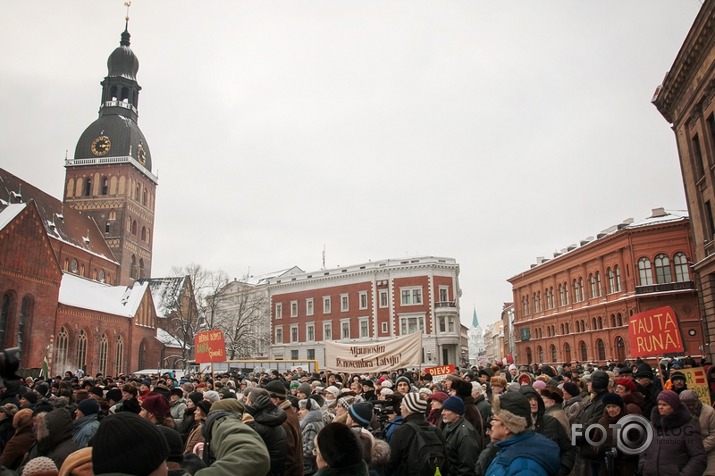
(679,417)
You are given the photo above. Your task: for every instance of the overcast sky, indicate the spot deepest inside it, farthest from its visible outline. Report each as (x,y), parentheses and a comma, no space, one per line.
(490,132)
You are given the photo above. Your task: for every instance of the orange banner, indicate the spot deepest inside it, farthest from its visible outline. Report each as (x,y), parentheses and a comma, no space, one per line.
(209,346)
(440,370)
(655,332)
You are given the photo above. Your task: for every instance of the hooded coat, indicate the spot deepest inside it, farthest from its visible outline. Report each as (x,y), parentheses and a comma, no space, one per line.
(310,425)
(677,448)
(267,421)
(527,453)
(294,439)
(551,428)
(624,464)
(54,436)
(236,445)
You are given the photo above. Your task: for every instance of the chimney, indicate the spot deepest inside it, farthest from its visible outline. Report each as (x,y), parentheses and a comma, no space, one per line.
(659,212)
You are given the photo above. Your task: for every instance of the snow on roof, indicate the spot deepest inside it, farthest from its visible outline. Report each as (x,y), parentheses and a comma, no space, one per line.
(83,293)
(166,293)
(263,278)
(10,212)
(167,339)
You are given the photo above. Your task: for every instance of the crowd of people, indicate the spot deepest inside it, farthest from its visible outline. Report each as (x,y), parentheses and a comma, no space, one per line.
(495,420)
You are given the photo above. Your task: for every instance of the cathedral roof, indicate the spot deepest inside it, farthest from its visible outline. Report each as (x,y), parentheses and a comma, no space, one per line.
(122,62)
(61,222)
(166,293)
(84,293)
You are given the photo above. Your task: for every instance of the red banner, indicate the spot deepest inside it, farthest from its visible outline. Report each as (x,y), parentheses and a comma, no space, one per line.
(209,346)
(440,370)
(655,332)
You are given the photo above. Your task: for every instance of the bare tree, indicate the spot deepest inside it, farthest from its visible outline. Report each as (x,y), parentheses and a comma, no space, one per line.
(241,313)
(185,305)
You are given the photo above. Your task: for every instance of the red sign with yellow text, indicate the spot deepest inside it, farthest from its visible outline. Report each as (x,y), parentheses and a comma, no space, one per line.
(655,332)
(440,370)
(209,346)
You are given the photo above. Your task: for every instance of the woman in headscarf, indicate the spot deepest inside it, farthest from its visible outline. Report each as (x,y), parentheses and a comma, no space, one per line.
(311,422)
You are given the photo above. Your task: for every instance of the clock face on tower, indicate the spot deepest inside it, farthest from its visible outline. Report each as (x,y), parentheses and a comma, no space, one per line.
(101,145)
(141,154)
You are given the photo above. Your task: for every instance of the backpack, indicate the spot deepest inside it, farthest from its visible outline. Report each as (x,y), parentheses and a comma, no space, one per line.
(426,454)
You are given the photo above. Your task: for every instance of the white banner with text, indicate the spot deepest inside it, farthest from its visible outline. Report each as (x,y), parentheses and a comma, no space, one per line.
(389,355)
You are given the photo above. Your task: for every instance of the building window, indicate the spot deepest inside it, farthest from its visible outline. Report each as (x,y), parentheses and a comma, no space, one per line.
(383,298)
(645,272)
(344,303)
(4,317)
(611,279)
(345,329)
(599,289)
(412,324)
(82,350)
(309,307)
(310,354)
(411,296)
(618,278)
(327,331)
(442,324)
(103,350)
(450,324)
(294,355)
(553,353)
(62,343)
(25,316)
(540,352)
(710,221)
(680,261)
(279,310)
(87,187)
(363,299)
(105,189)
(310,332)
(601,349)
(294,309)
(279,335)
(584,351)
(697,157)
(444,294)
(326,305)
(662,269)
(119,367)
(294,333)
(384,327)
(364,328)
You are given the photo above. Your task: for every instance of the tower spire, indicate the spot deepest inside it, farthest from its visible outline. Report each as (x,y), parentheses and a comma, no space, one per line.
(125,33)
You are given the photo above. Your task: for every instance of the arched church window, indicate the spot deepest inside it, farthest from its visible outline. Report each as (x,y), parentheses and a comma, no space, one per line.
(105,185)
(143,233)
(113,93)
(87,191)
(62,342)
(133,269)
(141,268)
(82,350)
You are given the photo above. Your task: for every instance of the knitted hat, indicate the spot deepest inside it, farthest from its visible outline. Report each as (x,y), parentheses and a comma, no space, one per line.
(30,397)
(612,399)
(627,384)
(294,384)
(88,406)
(196,397)
(688,396)
(677,376)
(98,391)
(368,383)
(40,466)
(125,434)
(276,388)
(361,413)
(669,397)
(572,389)
(514,410)
(386,383)
(599,380)
(403,379)
(477,388)
(176,448)
(212,396)
(415,403)
(644,371)
(305,388)
(439,396)
(78,463)
(339,446)
(539,385)
(333,390)
(156,404)
(228,405)
(309,404)
(454,404)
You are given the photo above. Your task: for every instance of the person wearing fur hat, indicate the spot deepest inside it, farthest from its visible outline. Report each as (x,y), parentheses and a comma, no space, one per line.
(293,463)
(677,447)
(311,422)
(463,441)
(633,399)
(413,410)
(551,428)
(553,399)
(338,451)
(622,464)
(21,442)
(524,379)
(705,414)
(592,412)
(53,433)
(497,385)
(520,449)
(155,408)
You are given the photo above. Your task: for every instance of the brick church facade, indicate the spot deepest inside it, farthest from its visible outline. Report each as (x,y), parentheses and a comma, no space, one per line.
(73,272)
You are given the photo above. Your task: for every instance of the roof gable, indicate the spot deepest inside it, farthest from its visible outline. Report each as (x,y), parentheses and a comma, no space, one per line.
(83,293)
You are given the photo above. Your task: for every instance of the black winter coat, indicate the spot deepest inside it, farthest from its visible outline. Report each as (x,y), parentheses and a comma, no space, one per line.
(591,412)
(267,421)
(401,442)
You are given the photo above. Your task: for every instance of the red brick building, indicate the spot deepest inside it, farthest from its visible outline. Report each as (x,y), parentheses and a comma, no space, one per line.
(70,270)
(685,99)
(368,302)
(576,306)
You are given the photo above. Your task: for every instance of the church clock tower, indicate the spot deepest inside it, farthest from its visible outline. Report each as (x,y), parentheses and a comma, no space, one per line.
(110,177)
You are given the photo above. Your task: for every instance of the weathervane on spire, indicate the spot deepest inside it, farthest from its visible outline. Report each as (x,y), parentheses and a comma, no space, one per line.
(127,4)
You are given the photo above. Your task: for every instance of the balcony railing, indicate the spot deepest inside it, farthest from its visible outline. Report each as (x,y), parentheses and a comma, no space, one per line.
(659,288)
(446,304)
